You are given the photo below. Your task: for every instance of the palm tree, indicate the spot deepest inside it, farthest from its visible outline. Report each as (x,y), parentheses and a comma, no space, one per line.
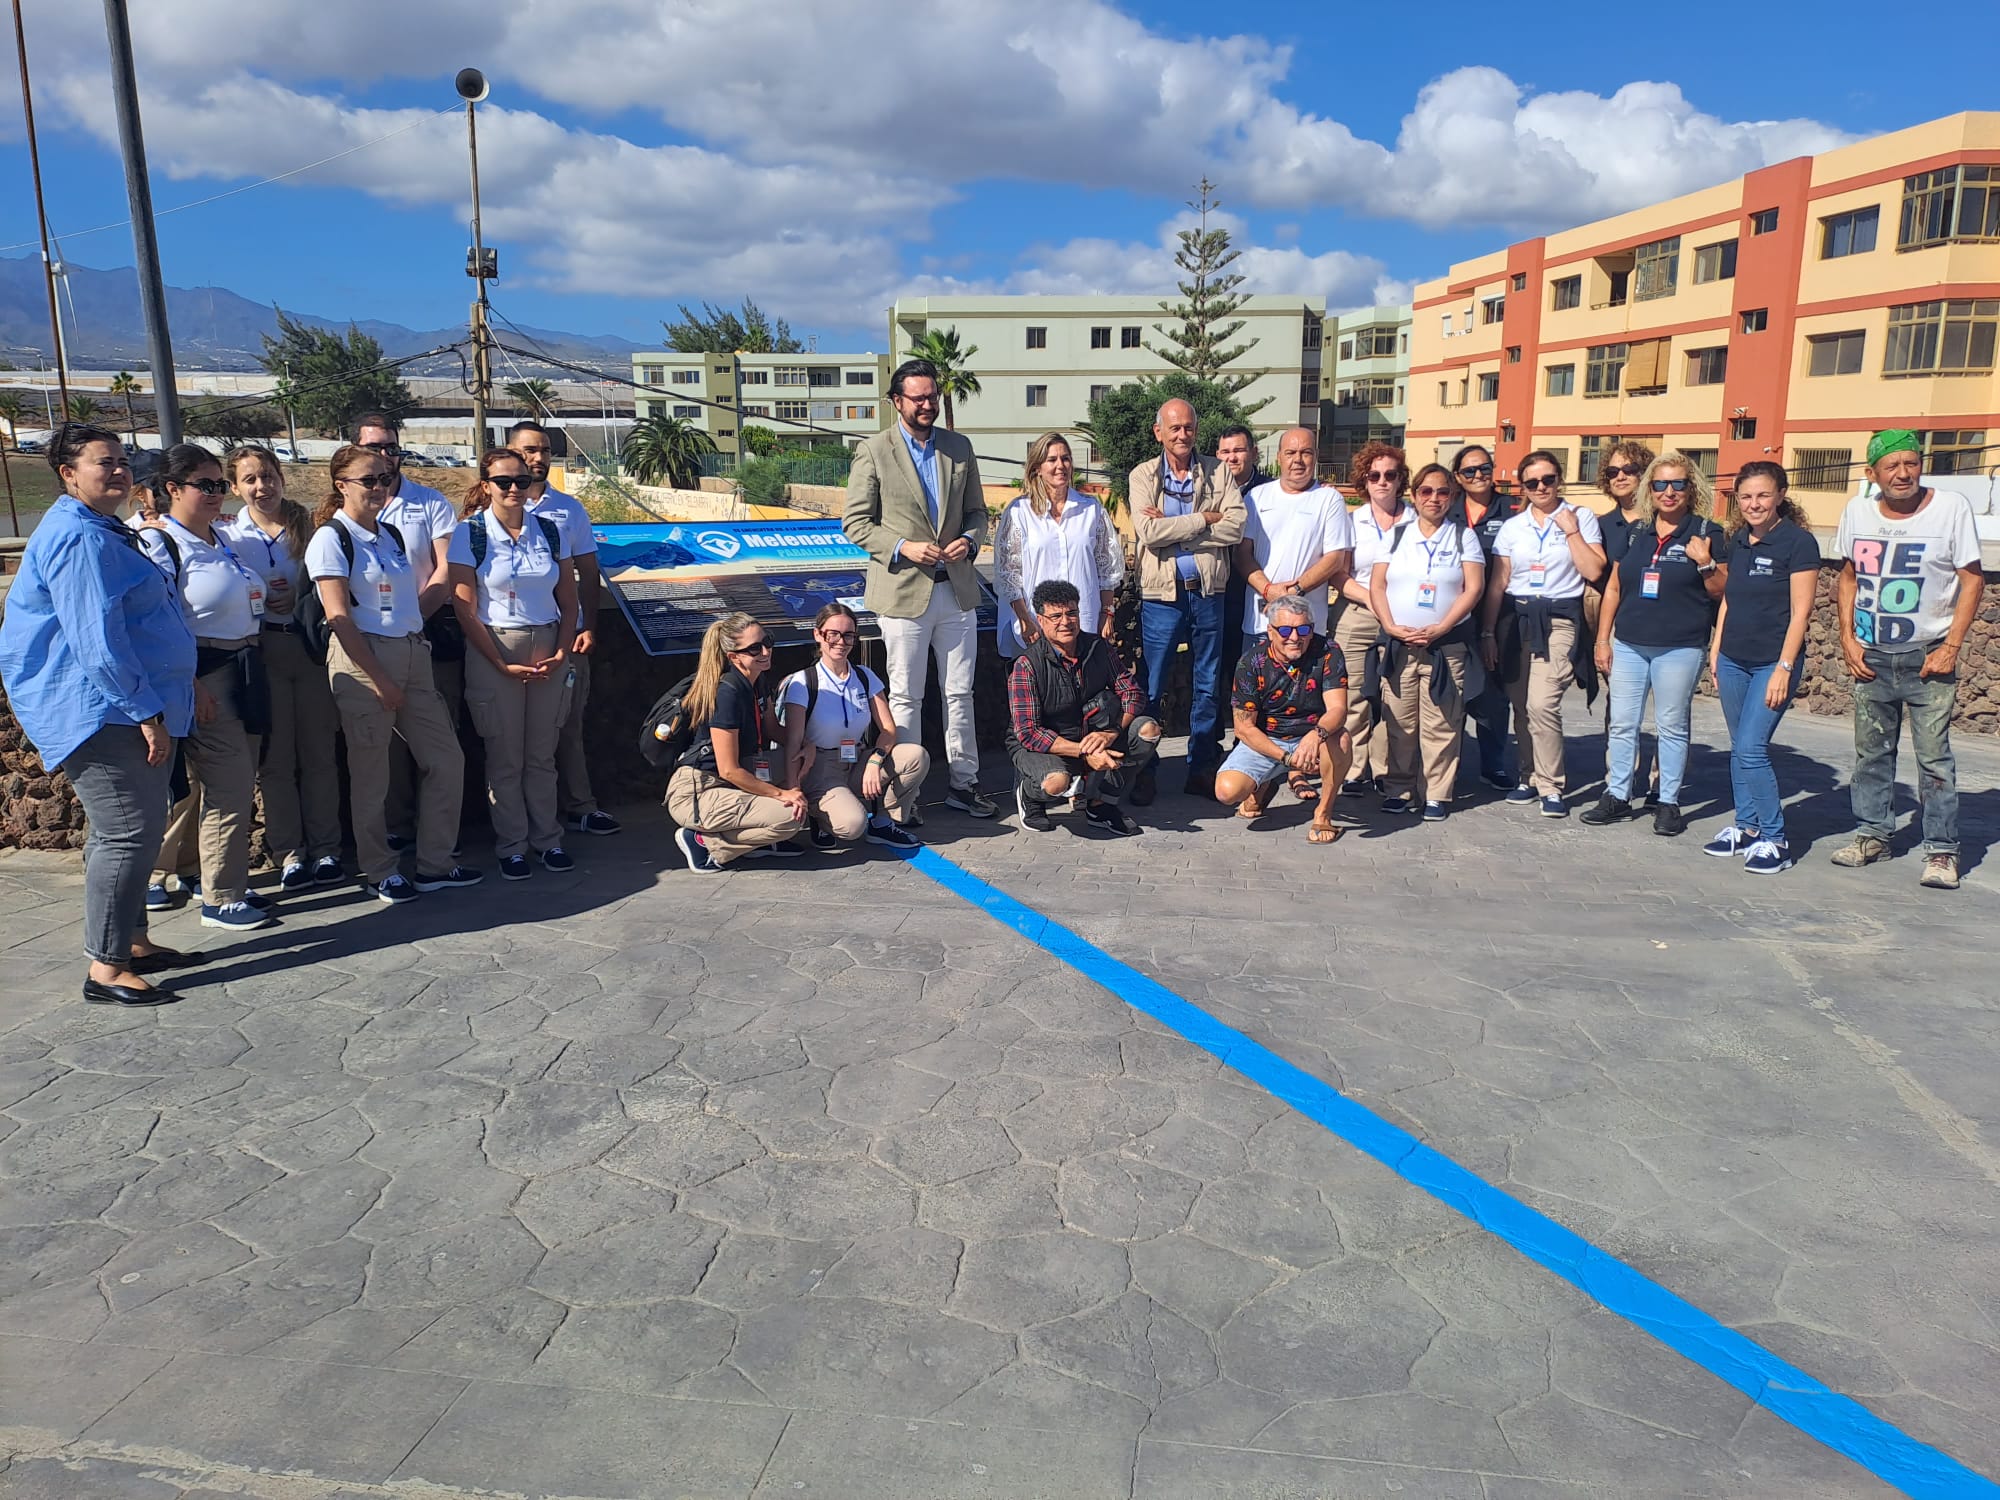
(82,408)
(955,381)
(666,450)
(126,384)
(534,398)
(12,409)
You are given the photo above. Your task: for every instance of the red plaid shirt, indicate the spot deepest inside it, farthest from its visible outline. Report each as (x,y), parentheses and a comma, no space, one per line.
(1026,708)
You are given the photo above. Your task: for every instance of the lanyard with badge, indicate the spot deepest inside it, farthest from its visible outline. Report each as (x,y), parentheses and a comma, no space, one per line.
(850,743)
(1649,581)
(1427,591)
(385,588)
(1538,571)
(252,579)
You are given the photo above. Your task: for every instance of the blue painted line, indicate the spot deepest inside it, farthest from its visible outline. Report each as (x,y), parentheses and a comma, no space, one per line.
(1841,1423)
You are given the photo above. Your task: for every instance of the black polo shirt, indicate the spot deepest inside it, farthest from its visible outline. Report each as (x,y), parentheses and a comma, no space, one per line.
(1759,591)
(1617,534)
(1502,510)
(743,707)
(1682,613)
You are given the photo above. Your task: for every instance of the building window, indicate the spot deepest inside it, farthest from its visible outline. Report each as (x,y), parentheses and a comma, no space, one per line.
(654,375)
(823,411)
(1707,366)
(756,377)
(687,377)
(1715,262)
(1099,392)
(794,411)
(1346,349)
(1821,468)
(723,369)
(1589,455)
(1566,293)
(1704,461)
(1560,381)
(1743,429)
(820,378)
(791,376)
(1957,203)
(756,411)
(1848,233)
(1764,222)
(1038,338)
(1942,338)
(1655,269)
(1492,309)
(1315,335)
(1600,374)
(1756,320)
(1489,387)
(860,413)
(1100,338)
(1443,399)
(1128,338)
(1520,281)
(1955,452)
(860,377)
(1513,354)
(685,412)
(1309,392)
(1378,342)
(728,432)
(1038,395)
(1835,353)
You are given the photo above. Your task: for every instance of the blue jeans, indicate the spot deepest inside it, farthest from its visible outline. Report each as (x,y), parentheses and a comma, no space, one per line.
(1879,707)
(1669,674)
(1751,724)
(1197,620)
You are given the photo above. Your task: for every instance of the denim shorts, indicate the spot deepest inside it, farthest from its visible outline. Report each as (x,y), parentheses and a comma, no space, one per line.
(1259,767)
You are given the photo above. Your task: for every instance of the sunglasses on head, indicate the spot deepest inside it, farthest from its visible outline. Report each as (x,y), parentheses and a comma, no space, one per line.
(1661,486)
(510,482)
(1293,632)
(206,486)
(387,450)
(1541,482)
(1476,471)
(1627,471)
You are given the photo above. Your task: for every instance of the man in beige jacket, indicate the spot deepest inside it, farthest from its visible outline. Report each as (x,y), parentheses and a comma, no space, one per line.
(1188,516)
(915,506)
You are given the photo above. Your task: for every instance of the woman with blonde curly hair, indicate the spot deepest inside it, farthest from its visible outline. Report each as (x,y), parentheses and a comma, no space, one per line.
(1652,634)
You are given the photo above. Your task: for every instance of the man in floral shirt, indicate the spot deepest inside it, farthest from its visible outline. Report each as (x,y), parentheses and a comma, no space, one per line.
(1290,700)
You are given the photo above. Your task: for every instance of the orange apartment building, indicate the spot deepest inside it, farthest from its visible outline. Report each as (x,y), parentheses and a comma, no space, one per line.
(1784,315)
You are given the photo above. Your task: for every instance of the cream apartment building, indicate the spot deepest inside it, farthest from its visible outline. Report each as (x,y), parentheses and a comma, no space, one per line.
(801,397)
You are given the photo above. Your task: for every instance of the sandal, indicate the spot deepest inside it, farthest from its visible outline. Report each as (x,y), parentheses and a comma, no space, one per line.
(1252,806)
(1322,832)
(1304,787)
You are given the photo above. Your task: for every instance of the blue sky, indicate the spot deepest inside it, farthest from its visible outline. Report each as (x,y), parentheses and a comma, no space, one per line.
(824,159)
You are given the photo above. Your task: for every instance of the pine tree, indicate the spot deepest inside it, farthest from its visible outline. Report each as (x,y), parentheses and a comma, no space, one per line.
(1210,294)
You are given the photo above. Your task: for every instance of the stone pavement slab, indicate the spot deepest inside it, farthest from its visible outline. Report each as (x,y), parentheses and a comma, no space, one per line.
(812,1179)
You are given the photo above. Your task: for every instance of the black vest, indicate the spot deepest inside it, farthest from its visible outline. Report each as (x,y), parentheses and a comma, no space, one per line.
(1074,705)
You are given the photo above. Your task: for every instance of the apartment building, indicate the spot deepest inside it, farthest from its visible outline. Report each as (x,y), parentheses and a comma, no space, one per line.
(1785,315)
(1041,360)
(1367,383)
(844,397)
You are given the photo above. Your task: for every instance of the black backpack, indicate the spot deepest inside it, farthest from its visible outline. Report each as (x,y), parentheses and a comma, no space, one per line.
(309,614)
(476,537)
(666,734)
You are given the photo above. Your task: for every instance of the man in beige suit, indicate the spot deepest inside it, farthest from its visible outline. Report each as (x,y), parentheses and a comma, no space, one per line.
(915,506)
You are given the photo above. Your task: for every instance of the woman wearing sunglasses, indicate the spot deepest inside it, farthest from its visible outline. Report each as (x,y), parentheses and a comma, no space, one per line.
(379,665)
(516,603)
(1618,476)
(1424,590)
(1659,605)
(728,792)
(1484,509)
(1542,560)
(841,747)
(298,779)
(1380,473)
(224,601)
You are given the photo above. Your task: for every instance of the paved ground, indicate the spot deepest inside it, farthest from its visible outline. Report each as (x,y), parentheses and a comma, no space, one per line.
(811,1179)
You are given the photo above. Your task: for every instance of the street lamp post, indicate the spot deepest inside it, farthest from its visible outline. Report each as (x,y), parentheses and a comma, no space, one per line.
(471,86)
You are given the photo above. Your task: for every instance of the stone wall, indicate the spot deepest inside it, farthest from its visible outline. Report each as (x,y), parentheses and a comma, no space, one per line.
(38,810)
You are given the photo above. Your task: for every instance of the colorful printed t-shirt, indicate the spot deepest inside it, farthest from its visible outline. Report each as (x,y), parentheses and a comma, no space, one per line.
(1285,699)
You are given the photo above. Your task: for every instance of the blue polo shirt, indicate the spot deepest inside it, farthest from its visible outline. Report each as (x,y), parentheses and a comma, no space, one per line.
(1682,613)
(1759,591)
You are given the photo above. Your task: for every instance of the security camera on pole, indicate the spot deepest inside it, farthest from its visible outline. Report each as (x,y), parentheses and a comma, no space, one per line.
(481,264)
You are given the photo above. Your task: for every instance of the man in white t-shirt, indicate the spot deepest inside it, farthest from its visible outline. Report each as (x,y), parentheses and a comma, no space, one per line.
(1908,593)
(1298,538)
(579,808)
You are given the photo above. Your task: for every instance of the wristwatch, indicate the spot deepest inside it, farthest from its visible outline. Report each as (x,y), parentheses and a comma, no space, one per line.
(1785,666)
(1706,568)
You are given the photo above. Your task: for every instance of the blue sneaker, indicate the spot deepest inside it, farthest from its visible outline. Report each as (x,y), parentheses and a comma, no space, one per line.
(1768,857)
(393,892)
(695,852)
(1731,842)
(256,902)
(298,876)
(555,859)
(1524,794)
(1554,807)
(234,916)
(1433,812)
(157,898)
(327,871)
(515,867)
(1498,782)
(457,875)
(1397,805)
(400,842)
(599,823)
(191,888)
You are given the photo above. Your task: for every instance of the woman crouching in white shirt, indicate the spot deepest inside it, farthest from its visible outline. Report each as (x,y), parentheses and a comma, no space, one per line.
(516,600)
(841,747)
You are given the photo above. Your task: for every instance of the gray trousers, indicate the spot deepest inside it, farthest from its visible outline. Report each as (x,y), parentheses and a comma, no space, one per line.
(126,801)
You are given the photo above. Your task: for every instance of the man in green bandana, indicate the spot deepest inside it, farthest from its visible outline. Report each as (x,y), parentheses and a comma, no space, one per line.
(1908,593)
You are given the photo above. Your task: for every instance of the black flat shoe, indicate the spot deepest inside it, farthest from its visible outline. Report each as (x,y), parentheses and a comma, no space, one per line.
(97,993)
(159,961)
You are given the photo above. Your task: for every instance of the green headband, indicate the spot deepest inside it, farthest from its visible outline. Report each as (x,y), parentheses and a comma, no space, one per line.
(1896,440)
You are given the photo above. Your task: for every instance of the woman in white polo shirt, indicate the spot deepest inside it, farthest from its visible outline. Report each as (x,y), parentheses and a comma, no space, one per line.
(379,666)
(1378,473)
(1425,587)
(1542,559)
(298,777)
(222,600)
(516,600)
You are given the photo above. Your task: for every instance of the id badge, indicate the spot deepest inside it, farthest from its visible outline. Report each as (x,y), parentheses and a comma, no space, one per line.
(849,751)
(1649,586)
(1538,575)
(1427,596)
(760,766)
(385,599)
(257,601)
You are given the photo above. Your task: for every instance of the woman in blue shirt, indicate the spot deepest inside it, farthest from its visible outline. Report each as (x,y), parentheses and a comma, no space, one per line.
(98,661)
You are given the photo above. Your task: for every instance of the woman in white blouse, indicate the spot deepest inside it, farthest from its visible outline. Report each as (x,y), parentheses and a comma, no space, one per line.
(1053,531)
(298,778)
(516,600)
(1424,587)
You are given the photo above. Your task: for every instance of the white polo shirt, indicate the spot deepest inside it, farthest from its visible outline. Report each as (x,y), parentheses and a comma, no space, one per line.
(1425,575)
(568,512)
(220,596)
(1371,541)
(270,558)
(517,580)
(384,588)
(1538,553)
(843,710)
(424,517)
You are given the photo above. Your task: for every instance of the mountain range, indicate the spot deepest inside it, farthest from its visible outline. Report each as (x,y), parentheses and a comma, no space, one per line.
(215,329)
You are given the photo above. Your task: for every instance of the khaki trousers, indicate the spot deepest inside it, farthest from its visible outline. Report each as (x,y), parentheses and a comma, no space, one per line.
(1537,694)
(1423,743)
(299,780)
(731,821)
(448,677)
(572,774)
(519,722)
(422,725)
(833,789)
(214,818)
(1355,629)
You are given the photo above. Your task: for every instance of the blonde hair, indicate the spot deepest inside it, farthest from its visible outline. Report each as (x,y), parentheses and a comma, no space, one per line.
(716,643)
(1701,498)
(1039,499)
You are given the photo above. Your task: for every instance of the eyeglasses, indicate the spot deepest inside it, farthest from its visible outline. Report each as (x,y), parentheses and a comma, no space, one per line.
(368,481)
(206,486)
(1058,616)
(1476,471)
(1661,486)
(1432,491)
(850,636)
(387,450)
(1542,482)
(512,482)
(1292,632)
(919,400)
(755,648)
(1627,471)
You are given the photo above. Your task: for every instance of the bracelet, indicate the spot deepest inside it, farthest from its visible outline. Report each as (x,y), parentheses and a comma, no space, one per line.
(1784,666)
(1488,635)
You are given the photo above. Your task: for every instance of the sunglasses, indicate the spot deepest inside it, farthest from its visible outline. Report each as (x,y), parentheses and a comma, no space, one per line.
(1293,632)
(387,450)
(1627,471)
(512,482)
(1476,471)
(1661,486)
(206,486)
(755,648)
(1387,476)
(369,481)
(1541,482)
(1432,491)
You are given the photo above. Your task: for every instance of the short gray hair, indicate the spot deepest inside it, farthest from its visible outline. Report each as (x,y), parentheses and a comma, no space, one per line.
(1289,604)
